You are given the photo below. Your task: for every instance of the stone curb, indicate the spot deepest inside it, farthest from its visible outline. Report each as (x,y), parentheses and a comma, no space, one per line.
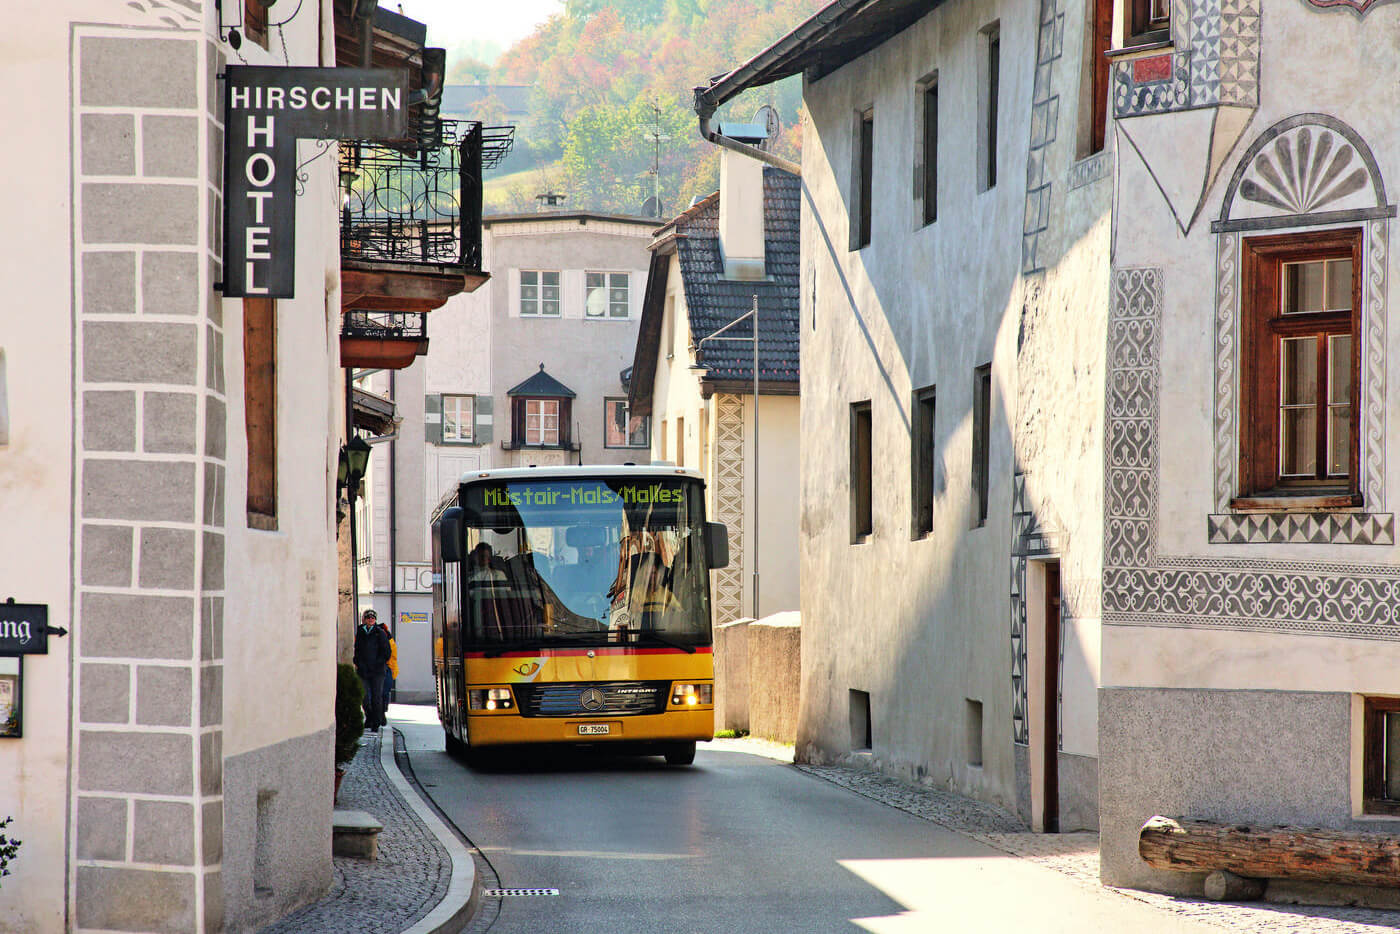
(463,897)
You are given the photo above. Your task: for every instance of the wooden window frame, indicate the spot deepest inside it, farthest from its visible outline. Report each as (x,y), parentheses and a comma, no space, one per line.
(992,38)
(862,441)
(608,402)
(609,306)
(1143,28)
(1373,796)
(922,461)
(1100,74)
(981,443)
(1262,327)
(928,170)
(862,220)
(520,422)
(537,303)
(260,409)
(470,421)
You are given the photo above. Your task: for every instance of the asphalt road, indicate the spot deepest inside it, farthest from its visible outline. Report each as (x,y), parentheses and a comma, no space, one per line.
(736,843)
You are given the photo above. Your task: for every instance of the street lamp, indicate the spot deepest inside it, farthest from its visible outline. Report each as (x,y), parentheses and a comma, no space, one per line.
(716,336)
(354,461)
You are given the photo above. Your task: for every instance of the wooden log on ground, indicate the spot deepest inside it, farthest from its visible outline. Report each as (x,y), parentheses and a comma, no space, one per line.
(1223,886)
(1312,855)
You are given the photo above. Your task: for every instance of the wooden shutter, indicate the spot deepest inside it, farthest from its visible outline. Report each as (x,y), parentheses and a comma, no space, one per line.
(260,408)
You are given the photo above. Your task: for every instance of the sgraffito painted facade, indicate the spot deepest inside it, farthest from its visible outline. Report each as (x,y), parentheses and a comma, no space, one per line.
(1244,627)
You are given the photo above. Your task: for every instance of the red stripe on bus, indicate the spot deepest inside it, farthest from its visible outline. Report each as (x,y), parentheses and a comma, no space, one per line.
(564,653)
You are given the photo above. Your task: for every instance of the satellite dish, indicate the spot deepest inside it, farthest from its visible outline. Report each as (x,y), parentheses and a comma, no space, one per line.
(767,117)
(651,207)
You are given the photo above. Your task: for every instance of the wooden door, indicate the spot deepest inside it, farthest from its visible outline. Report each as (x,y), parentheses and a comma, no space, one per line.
(1051,727)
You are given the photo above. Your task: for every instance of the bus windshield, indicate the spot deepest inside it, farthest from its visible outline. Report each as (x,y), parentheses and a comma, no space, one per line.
(591,561)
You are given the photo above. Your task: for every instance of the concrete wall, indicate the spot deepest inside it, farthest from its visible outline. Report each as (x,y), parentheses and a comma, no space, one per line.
(732,675)
(1236,644)
(125,466)
(920,623)
(775,676)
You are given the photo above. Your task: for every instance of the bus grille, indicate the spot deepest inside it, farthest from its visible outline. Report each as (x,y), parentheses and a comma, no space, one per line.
(619,698)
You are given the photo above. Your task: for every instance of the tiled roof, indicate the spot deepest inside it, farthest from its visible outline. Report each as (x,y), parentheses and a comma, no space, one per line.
(541,384)
(714,301)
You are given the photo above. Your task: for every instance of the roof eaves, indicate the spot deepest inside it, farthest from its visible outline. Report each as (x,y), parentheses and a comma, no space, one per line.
(818,46)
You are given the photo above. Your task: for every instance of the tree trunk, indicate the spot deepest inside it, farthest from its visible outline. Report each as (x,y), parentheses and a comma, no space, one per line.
(1335,856)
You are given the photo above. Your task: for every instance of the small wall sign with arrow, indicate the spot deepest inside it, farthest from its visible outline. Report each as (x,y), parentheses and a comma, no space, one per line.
(25,629)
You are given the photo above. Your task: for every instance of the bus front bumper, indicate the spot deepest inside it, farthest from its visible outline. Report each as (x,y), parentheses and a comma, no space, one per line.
(496,729)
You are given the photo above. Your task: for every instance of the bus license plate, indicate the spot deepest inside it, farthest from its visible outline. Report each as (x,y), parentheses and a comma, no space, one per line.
(594,729)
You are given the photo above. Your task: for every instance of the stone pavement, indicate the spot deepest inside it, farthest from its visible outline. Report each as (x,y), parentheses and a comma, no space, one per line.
(1077,855)
(424,879)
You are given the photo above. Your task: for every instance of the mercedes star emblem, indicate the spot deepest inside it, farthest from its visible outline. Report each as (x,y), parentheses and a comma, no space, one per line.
(592,699)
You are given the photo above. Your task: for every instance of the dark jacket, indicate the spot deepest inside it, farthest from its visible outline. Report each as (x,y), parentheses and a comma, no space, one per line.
(371,651)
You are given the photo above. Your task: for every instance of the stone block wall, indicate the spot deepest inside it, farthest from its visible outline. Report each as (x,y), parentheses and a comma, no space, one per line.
(149,440)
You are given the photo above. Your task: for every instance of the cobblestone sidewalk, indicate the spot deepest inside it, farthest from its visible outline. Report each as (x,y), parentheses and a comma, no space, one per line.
(1076,855)
(388,894)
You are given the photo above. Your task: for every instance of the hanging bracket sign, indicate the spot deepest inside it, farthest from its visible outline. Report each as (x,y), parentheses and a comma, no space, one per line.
(24,628)
(266,111)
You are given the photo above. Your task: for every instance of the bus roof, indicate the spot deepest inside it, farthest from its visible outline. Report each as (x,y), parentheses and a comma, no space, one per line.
(583,470)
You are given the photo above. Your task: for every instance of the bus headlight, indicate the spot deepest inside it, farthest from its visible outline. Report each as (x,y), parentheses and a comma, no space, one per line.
(491,699)
(691,695)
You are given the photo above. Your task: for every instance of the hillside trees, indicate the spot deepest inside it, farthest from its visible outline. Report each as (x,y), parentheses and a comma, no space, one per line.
(605,71)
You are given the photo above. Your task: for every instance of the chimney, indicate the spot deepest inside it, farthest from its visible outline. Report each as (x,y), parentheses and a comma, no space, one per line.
(741,214)
(549,201)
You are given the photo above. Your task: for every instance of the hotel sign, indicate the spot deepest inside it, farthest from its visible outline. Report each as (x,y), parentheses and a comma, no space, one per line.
(266,111)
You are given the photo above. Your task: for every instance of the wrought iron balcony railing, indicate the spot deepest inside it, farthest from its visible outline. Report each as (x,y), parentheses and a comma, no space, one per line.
(418,205)
(385,325)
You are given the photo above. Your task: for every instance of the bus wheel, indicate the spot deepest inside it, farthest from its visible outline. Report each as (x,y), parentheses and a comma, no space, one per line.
(454,745)
(680,754)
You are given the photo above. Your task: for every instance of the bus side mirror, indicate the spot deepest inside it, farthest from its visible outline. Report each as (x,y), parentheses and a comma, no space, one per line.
(450,534)
(717,545)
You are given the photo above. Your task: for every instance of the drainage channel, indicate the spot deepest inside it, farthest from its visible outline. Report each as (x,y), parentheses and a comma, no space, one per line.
(512,893)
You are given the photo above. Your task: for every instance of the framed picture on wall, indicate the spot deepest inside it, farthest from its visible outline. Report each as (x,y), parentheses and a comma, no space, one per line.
(11,719)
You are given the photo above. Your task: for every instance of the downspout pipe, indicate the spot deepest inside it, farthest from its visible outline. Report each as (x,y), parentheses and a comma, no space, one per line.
(706,110)
(755,72)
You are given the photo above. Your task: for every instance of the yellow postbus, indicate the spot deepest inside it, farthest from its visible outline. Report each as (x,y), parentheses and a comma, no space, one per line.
(572,605)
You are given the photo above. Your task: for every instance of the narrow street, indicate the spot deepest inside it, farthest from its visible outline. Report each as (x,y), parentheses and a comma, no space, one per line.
(736,843)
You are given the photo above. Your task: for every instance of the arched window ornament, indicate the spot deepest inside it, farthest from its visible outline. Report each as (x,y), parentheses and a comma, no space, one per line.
(1307,170)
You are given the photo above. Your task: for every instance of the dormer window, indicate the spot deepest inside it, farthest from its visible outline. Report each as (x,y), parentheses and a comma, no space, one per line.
(541,411)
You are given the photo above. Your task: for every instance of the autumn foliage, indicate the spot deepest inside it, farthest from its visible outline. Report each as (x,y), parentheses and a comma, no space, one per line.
(610,76)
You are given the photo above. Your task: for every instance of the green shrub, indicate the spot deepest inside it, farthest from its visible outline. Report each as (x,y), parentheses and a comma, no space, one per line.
(9,847)
(349,713)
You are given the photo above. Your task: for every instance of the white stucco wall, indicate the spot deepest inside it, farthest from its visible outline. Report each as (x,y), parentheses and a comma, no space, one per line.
(677,394)
(587,355)
(922,624)
(247,610)
(36,466)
